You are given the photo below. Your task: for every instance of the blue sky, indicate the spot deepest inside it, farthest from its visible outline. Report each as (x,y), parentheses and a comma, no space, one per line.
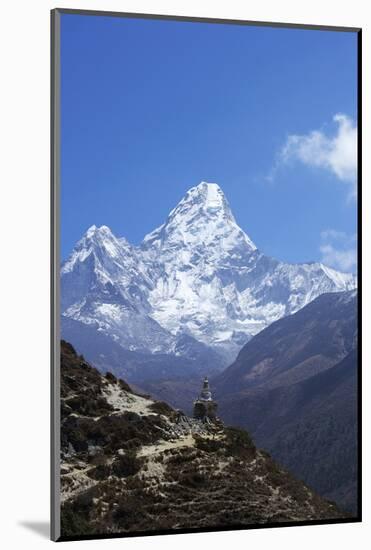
(151,108)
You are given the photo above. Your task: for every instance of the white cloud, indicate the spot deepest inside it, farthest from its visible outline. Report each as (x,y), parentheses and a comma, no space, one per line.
(339,250)
(336,153)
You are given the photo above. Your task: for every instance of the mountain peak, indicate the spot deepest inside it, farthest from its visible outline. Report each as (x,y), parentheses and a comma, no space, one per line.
(97,241)
(207,184)
(98,237)
(202,216)
(102,231)
(197,274)
(207,198)
(209,188)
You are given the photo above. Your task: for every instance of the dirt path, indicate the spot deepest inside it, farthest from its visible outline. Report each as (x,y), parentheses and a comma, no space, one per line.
(162,445)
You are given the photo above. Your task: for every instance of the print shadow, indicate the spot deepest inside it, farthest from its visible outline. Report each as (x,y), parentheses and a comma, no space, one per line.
(42,528)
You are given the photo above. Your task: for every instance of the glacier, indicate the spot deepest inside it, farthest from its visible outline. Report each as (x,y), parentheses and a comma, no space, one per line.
(197,278)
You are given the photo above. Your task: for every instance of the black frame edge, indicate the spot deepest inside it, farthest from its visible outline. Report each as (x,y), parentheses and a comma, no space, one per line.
(359,269)
(273,525)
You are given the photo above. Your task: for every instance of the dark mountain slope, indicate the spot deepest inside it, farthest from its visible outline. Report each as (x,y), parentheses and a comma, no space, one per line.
(310,427)
(303,406)
(129,463)
(296,347)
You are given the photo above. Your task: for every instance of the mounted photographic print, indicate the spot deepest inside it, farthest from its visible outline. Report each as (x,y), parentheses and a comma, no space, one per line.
(205,282)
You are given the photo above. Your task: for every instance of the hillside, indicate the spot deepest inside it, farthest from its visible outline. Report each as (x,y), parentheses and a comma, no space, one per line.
(122,453)
(294,387)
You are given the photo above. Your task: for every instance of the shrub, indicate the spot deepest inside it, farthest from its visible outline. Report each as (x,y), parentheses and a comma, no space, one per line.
(73,523)
(207,444)
(124,385)
(160,407)
(194,479)
(75,515)
(132,511)
(98,459)
(239,443)
(100,472)
(90,405)
(126,465)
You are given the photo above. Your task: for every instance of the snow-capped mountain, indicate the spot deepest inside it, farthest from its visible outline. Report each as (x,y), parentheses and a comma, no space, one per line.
(105,283)
(198,275)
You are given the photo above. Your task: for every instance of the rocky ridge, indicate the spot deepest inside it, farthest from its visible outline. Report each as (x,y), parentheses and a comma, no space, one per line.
(122,452)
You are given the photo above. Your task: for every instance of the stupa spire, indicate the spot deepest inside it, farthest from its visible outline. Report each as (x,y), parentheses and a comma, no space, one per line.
(204,406)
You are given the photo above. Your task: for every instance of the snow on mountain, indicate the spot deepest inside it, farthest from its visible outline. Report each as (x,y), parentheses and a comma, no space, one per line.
(197,274)
(105,283)
(202,219)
